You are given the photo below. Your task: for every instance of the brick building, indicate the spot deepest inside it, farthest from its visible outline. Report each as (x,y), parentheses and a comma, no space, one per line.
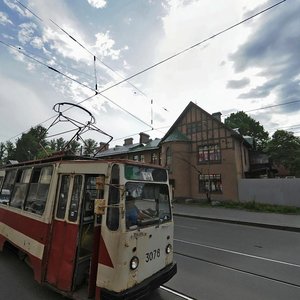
(205,158)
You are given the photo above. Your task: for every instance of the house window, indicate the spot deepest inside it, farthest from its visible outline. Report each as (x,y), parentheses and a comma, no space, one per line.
(135,157)
(210,183)
(169,158)
(154,158)
(209,153)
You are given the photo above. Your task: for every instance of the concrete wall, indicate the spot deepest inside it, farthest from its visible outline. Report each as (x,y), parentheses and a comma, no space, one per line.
(270,191)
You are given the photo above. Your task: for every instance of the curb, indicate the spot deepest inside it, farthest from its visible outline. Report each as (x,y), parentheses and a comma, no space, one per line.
(245,223)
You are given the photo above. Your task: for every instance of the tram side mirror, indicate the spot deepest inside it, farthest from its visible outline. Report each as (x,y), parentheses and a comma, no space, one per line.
(100,205)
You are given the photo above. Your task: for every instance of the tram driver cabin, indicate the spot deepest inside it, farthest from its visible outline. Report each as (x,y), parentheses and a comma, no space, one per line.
(70,218)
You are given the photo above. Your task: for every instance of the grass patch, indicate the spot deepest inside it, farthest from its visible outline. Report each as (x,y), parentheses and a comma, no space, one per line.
(259,207)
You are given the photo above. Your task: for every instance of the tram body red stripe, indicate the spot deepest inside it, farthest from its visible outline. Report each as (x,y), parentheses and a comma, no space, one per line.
(32,228)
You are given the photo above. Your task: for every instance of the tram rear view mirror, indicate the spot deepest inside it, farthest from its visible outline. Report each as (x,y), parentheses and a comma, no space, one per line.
(100,205)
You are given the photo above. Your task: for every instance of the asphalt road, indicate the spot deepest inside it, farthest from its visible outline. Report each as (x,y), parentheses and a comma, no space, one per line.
(215,261)
(221,261)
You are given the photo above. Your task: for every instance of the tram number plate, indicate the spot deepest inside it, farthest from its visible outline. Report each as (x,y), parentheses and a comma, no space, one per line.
(152,255)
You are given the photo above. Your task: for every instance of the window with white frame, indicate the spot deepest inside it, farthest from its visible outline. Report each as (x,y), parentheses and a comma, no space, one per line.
(210,183)
(209,153)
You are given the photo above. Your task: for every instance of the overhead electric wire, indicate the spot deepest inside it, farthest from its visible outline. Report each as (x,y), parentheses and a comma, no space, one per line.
(266,107)
(94,56)
(75,80)
(186,49)
(178,53)
(275,105)
(193,46)
(85,48)
(43,122)
(174,55)
(106,65)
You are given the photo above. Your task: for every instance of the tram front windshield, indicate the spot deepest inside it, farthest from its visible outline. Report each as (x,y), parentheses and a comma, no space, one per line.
(146,204)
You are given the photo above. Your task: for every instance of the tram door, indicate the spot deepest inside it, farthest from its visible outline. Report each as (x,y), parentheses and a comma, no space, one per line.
(89,235)
(74,241)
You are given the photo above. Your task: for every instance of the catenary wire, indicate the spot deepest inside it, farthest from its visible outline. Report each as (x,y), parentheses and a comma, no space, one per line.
(94,58)
(269,106)
(81,45)
(180,52)
(193,46)
(75,80)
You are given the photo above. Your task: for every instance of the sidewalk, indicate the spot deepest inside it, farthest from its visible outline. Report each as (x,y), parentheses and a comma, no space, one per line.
(236,216)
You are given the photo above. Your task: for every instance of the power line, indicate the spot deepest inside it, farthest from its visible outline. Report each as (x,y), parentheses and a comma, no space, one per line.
(85,48)
(162,61)
(77,81)
(269,106)
(43,122)
(275,105)
(191,47)
(92,54)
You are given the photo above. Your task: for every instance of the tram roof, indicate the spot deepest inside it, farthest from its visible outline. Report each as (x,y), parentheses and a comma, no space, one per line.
(69,158)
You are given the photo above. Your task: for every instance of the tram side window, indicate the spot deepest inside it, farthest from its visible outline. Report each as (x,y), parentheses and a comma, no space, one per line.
(74,205)
(8,186)
(38,189)
(63,196)
(1,181)
(89,198)
(112,220)
(21,187)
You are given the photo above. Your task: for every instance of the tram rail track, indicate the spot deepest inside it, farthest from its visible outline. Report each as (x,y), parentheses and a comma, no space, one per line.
(177,293)
(240,270)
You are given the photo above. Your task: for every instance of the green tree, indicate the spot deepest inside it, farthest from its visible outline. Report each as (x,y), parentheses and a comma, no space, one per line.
(90,146)
(60,144)
(74,147)
(31,144)
(248,126)
(2,153)
(10,151)
(284,149)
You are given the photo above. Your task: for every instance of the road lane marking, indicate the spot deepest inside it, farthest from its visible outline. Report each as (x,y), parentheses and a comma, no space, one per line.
(239,253)
(176,293)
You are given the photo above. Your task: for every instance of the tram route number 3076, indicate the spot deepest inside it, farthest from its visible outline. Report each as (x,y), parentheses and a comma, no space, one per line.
(152,255)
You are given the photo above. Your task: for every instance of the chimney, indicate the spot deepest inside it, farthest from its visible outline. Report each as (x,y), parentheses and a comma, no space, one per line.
(144,138)
(217,115)
(103,146)
(128,141)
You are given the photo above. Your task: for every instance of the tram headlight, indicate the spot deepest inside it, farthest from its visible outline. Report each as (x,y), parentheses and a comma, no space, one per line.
(169,249)
(134,263)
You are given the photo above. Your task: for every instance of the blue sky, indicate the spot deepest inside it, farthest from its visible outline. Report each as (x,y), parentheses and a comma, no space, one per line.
(252,66)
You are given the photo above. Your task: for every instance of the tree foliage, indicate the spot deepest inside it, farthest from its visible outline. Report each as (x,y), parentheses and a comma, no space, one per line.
(284,149)
(247,126)
(34,145)
(90,146)
(30,145)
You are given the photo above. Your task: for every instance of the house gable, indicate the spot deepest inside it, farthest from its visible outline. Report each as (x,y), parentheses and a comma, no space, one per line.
(201,128)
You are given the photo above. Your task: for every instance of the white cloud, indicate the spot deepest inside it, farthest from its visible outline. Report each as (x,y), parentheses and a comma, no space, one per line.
(104,46)
(65,46)
(20,98)
(4,19)
(26,33)
(97,3)
(14,6)
(37,42)
(197,75)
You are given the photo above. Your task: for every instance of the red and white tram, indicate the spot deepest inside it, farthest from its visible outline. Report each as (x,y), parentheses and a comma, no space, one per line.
(88,227)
